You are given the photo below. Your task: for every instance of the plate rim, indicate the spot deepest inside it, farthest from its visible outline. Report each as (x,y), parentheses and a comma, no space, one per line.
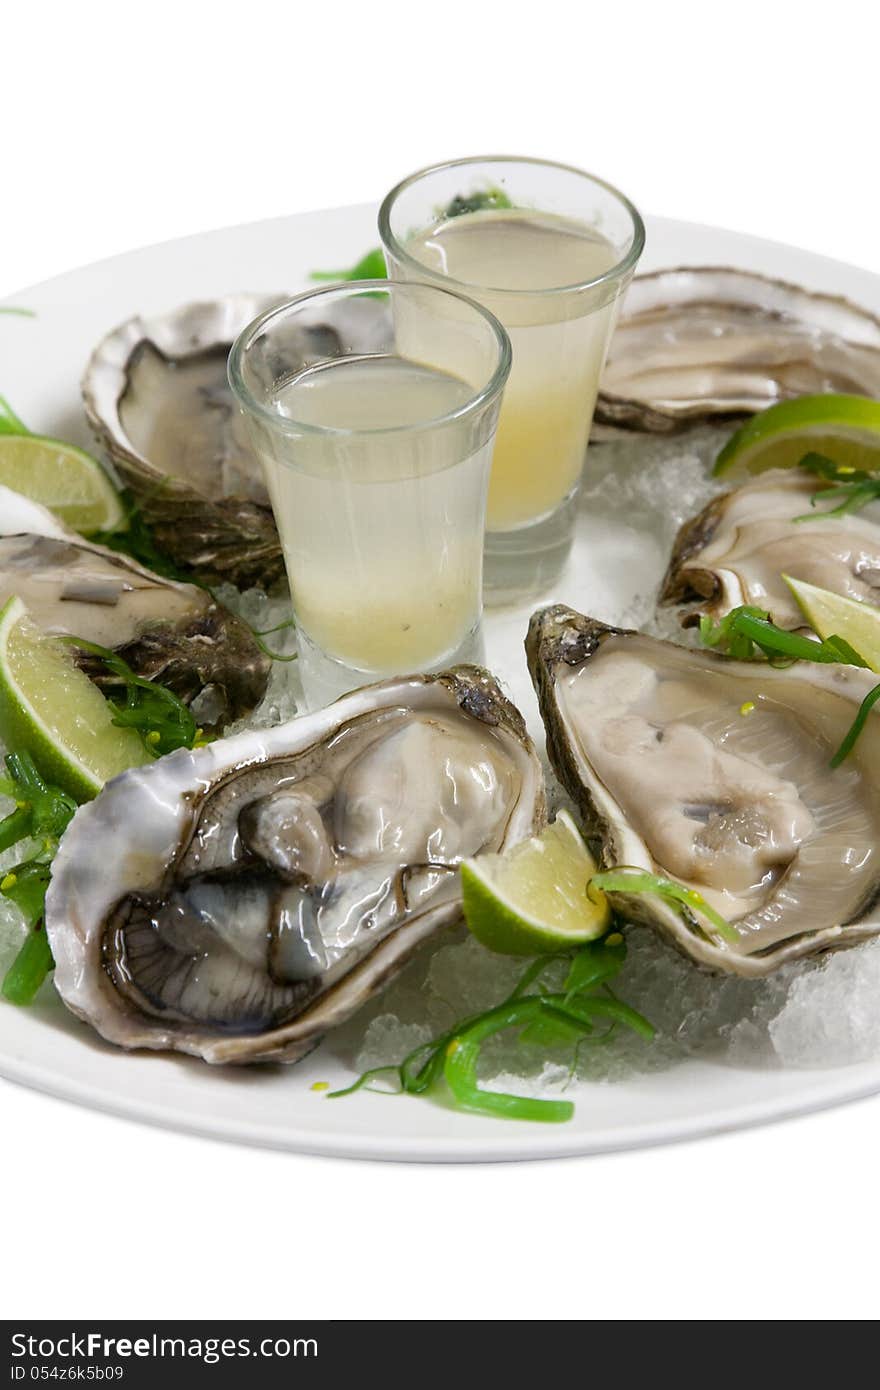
(562,1141)
(830,1087)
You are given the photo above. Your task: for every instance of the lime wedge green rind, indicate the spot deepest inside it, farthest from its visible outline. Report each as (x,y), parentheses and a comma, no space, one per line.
(533,899)
(67,480)
(844,428)
(835,615)
(54,712)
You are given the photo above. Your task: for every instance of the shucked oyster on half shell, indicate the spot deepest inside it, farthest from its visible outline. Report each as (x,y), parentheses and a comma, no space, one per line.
(704,341)
(717,774)
(738,548)
(238,901)
(157,398)
(169,632)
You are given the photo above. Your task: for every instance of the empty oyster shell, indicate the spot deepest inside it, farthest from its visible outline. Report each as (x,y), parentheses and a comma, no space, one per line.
(704,341)
(166,631)
(157,398)
(238,901)
(738,548)
(670,776)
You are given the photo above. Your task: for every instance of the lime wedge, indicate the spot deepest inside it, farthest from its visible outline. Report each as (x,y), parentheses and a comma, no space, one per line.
(63,478)
(49,708)
(533,899)
(843,428)
(832,615)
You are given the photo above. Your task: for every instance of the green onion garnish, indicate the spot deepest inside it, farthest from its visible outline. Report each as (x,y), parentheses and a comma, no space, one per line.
(9,421)
(856,727)
(744,629)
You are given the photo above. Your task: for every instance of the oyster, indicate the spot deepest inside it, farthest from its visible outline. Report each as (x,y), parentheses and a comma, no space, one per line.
(739,547)
(169,632)
(157,398)
(670,775)
(703,341)
(238,901)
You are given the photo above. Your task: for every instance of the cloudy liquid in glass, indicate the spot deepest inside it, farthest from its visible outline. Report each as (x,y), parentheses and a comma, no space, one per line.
(382,536)
(558,349)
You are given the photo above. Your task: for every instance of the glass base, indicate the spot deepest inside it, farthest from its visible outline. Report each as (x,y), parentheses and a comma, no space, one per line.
(520,564)
(324,679)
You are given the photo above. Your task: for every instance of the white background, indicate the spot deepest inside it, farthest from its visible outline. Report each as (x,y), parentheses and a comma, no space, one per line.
(127,124)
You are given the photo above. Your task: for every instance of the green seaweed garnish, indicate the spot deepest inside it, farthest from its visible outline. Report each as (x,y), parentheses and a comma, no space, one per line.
(479,201)
(543,1018)
(161,718)
(266,632)
(42,814)
(32,963)
(137,541)
(370,267)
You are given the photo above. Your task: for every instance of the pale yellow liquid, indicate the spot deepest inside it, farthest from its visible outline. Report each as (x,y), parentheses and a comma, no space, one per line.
(382,537)
(558,347)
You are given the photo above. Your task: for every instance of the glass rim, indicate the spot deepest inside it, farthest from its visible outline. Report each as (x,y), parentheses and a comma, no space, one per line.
(352,289)
(391,242)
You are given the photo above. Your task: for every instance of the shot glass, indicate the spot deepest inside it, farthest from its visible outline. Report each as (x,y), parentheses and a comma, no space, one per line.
(549,250)
(376,458)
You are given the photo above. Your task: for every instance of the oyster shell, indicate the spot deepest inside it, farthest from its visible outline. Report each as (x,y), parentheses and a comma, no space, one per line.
(238,901)
(704,341)
(167,631)
(157,398)
(650,741)
(738,548)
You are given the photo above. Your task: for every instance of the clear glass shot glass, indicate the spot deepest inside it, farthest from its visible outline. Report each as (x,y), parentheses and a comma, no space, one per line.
(375,439)
(549,250)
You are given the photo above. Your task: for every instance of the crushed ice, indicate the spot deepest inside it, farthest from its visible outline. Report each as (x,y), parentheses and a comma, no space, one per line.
(812,1014)
(265,612)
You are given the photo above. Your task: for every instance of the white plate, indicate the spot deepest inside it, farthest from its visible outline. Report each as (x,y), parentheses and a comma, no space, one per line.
(45,1047)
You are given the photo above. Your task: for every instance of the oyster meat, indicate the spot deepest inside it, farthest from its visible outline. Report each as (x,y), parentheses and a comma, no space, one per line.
(169,632)
(716,773)
(157,399)
(238,901)
(704,341)
(739,547)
